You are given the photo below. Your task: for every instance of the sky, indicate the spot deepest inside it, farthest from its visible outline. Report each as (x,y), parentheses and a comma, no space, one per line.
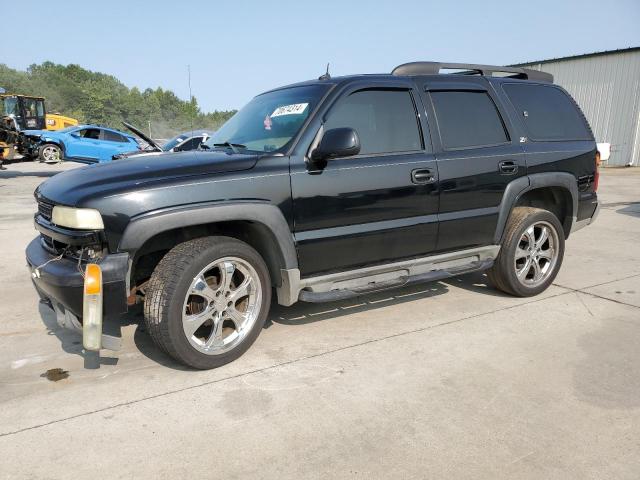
(237,49)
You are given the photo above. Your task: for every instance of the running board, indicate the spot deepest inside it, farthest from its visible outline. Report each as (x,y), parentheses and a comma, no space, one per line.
(333,295)
(350,283)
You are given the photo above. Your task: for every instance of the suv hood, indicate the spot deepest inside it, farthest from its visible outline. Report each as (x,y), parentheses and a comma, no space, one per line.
(74,187)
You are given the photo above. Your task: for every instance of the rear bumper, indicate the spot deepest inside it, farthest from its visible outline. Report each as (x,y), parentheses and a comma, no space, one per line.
(60,280)
(577,225)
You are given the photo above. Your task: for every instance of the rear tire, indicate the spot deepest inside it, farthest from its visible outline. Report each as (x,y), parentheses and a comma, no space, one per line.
(207,301)
(531,253)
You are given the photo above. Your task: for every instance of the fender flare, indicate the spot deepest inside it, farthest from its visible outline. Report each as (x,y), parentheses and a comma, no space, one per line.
(521,185)
(146,226)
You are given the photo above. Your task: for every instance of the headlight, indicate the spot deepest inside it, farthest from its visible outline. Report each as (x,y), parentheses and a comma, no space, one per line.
(81,218)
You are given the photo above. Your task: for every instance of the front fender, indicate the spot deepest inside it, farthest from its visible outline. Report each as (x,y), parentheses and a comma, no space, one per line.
(146,226)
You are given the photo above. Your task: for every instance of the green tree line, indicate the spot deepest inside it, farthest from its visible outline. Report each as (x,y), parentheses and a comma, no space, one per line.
(98,98)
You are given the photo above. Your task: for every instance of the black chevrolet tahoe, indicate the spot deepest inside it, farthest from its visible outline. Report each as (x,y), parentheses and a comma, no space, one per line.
(320,191)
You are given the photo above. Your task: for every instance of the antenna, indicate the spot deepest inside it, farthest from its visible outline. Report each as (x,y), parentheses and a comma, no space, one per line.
(190,95)
(325,76)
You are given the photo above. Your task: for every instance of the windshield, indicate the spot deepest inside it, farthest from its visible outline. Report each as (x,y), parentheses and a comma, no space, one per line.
(270,121)
(11,106)
(173,142)
(68,129)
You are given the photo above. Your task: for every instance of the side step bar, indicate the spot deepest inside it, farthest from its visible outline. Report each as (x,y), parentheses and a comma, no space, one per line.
(333,295)
(347,284)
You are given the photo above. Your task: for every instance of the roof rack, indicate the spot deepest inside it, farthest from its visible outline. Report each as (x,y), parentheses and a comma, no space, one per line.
(433,68)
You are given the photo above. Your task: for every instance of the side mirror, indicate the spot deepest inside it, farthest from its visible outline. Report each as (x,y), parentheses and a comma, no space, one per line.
(75,135)
(337,142)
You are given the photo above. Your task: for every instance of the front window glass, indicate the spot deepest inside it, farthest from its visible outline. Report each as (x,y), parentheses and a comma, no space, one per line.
(11,106)
(30,107)
(270,121)
(385,120)
(92,133)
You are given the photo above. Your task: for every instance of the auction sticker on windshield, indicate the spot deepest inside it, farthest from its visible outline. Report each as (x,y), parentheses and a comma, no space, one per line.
(295,109)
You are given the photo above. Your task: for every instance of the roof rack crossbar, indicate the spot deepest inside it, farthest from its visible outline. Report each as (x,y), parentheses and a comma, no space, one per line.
(433,68)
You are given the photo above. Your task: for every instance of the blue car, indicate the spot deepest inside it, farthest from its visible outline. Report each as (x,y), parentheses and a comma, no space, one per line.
(81,143)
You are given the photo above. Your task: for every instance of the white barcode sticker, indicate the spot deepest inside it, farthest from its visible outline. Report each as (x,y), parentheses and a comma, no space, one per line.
(295,109)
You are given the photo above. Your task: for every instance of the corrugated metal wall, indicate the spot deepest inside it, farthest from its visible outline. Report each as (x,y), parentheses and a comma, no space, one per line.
(607,88)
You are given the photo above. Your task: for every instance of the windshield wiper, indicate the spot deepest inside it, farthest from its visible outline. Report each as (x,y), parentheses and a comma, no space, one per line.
(233,146)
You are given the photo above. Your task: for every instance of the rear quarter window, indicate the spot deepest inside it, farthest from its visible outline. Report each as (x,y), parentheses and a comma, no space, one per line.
(114,137)
(548,113)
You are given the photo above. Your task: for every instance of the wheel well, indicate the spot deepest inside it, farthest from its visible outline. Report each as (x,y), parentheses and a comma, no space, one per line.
(254,234)
(555,199)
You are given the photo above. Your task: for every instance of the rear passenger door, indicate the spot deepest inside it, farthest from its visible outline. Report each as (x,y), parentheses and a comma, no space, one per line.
(83,144)
(478,154)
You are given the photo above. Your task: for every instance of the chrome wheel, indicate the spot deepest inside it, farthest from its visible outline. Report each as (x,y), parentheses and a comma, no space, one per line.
(50,153)
(221,305)
(536,254)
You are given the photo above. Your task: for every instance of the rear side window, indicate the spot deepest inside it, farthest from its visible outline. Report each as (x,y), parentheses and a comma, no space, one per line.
(468,119)
(385,120)
(548,113)
(114,137)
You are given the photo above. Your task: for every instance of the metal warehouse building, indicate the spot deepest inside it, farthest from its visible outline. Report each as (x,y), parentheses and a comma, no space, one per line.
(607,87)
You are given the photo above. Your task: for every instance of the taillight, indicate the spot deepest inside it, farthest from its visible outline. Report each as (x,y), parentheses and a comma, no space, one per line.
(596,175)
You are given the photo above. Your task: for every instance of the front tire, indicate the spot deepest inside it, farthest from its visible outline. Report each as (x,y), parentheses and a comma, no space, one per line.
(50,152)
(207,301)
(531,254)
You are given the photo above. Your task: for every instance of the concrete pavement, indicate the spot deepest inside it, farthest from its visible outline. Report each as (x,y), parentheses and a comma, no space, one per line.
(443,380)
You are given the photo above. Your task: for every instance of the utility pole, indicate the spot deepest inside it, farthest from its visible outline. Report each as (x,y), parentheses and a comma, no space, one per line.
(190,95)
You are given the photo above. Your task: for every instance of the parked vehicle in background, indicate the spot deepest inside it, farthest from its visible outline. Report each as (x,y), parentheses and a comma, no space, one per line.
(187,141)
(24,112)
(82,143)
(190,140)
(322,190)
(56,121)
(19,112)
(28,111)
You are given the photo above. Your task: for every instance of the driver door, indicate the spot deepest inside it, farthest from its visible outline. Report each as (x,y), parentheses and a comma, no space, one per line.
(369,208)
(84,144)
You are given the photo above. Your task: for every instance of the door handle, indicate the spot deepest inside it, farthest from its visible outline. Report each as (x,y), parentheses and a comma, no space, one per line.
(423,175)
(508,167)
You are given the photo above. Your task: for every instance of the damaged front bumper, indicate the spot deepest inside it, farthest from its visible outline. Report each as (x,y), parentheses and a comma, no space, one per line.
(60,282)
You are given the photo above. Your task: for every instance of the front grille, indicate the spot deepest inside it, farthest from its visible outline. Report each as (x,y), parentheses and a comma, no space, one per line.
(45,209)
